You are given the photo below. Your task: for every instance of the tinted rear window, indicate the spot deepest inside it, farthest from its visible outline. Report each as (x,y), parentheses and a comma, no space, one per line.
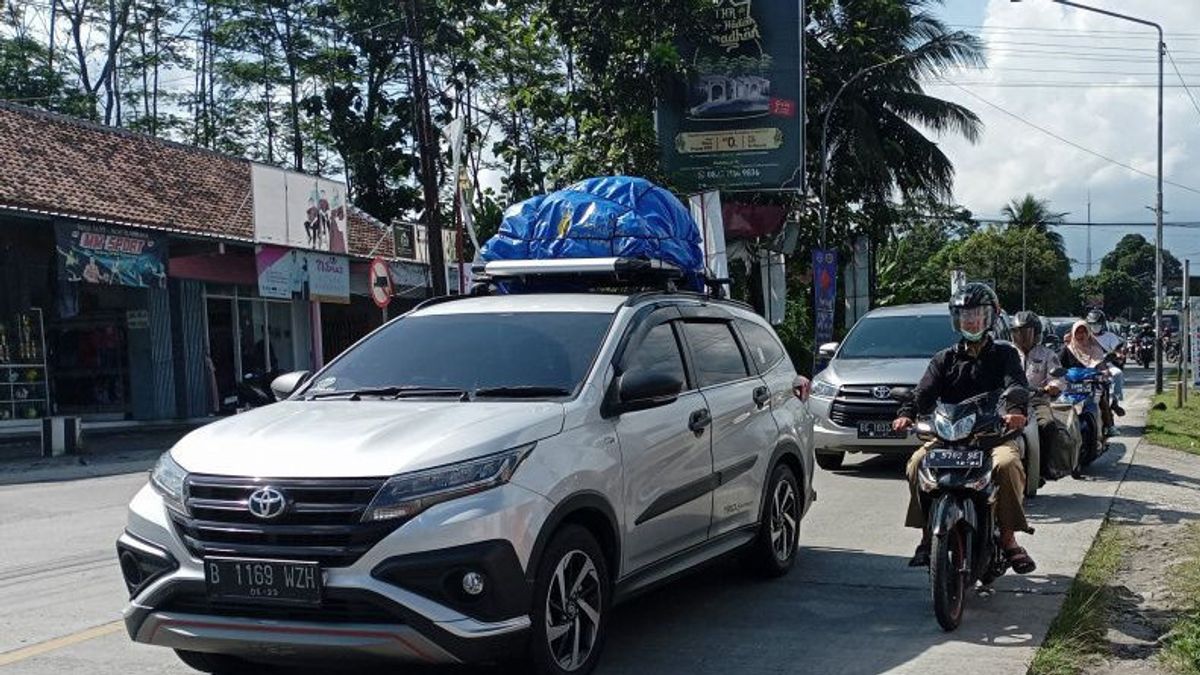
(899,337)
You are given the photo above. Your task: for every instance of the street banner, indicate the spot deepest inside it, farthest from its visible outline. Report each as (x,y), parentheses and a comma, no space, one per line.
(298,210)
(98,254)
(287,272)
(1194,332)
(738,121)
(825,267)
(278,271)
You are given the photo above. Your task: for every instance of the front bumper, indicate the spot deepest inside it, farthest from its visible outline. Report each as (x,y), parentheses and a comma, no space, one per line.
(364,616)
(830,437)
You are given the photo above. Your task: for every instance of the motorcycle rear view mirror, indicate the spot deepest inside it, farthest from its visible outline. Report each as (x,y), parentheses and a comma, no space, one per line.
(1016,394)
(1058,372)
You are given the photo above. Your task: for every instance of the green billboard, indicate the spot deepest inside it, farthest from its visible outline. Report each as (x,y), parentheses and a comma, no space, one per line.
(738,120)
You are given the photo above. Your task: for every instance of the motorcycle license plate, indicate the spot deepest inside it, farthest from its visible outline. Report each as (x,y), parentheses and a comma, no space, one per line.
(942,458)
(265,581)
(879,429)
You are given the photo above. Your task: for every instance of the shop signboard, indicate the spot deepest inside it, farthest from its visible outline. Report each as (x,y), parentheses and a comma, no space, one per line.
(99,254)
(285,273)
(738,122)
(328,278)
(298,210)
(404,239)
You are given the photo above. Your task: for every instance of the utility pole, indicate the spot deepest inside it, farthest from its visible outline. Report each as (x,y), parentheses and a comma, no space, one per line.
(1089,234)
(427,144)
(1185,340)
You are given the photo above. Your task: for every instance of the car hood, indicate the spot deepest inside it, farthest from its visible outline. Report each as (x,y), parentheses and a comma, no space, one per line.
(344,439)
(875,371)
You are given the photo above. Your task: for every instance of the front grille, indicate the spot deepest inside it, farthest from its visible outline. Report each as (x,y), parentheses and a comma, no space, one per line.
(332,610)
(857,403)
(322,521)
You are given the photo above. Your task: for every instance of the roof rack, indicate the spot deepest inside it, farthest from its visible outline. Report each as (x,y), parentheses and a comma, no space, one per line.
(591,273)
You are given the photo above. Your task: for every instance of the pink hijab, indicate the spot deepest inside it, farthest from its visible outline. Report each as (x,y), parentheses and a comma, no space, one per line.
(1089,353)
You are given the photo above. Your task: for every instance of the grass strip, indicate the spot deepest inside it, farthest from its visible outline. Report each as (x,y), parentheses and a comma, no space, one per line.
(1181,650)
(1077,636)
(1172,427)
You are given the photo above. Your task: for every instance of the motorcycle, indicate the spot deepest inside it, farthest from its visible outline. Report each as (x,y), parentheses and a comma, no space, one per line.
(1171,351)
(253,391)
(1144,351)
(956,476)
(1086,389)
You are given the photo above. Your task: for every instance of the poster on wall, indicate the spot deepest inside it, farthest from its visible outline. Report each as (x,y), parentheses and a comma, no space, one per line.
(298,210)
(278,271)
(98,254)
(738,121)
(287,272)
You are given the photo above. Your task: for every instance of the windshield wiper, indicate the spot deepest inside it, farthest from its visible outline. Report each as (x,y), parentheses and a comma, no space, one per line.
(523,391)
(391,392)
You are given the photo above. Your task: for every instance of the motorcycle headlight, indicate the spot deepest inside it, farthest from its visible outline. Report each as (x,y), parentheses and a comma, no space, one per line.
(954,431)
(823,389)
(168,478)
(407,494)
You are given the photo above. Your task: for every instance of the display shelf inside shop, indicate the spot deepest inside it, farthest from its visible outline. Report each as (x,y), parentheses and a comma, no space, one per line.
(24,377)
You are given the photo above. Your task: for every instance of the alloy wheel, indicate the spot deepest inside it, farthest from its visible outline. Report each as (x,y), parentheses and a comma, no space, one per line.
(785,520)
(573,610)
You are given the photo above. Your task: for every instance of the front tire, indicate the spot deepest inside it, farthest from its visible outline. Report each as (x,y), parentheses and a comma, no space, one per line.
(830,461)
(773,552)
(217,664)
(571,599)
(946,580)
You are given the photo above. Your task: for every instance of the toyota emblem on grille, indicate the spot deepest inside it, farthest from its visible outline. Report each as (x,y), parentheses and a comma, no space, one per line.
(882,392)
(267,502)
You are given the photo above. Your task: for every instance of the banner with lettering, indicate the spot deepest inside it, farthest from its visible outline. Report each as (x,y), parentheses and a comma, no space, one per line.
(738,120)
(825,268)
(99,254)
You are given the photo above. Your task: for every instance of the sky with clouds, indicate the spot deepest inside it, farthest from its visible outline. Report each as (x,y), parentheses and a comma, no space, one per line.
(1089,79)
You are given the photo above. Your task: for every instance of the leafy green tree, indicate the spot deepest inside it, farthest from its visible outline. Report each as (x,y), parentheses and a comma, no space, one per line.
(1032,213)
(998,256)
(1121,294)
(26,77)
(1134,256)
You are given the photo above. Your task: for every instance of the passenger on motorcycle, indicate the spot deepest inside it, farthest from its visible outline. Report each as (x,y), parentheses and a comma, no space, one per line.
(1083,351)
(976,365)
(1111,343)
(1039,361)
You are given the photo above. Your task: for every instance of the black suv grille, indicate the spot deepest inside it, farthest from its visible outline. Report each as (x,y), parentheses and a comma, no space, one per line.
(322,521)
(332,610)
(857,403)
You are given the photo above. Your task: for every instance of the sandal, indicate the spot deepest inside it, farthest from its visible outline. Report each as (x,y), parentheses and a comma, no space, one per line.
(1019,559)
(920,557)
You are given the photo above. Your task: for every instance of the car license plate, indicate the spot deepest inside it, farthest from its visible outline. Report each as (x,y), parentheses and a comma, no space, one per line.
(879,429)
(270,581)
(941,458)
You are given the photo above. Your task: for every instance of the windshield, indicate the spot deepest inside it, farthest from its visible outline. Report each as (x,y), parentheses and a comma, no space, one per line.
(535,353)
(898,337)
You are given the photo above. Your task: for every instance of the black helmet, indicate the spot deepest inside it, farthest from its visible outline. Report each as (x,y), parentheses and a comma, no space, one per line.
(1097,321)
(978,297)
(1027,319)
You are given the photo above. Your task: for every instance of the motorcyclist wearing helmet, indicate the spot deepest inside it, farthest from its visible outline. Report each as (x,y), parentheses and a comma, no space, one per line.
(1111,343)
(976,365)
(1039,361)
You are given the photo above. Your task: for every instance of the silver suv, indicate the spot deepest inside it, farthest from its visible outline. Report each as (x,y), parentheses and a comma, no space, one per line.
(481,478)
(889,347)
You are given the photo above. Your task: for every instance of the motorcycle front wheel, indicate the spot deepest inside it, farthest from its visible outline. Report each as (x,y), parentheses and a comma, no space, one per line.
(948,577)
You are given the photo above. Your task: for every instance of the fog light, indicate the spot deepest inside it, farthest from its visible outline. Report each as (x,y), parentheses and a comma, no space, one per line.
(131,569)
(472,583)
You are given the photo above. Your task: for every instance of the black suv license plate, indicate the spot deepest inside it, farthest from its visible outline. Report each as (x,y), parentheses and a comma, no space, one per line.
(940,458)
(270,581)
(879,429)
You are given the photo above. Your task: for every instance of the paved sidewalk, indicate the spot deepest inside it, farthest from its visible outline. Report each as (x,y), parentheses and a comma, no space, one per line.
(107,453)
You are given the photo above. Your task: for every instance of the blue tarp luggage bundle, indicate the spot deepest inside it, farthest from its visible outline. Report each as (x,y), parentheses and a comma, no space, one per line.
(611,217)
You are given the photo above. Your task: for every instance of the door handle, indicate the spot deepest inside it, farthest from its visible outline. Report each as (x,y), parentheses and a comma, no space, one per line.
(761,396)
(699,420)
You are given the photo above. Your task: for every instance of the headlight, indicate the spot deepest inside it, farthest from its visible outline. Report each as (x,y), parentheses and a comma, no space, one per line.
(953,431)
(408,494)
(167,477)
(823,389)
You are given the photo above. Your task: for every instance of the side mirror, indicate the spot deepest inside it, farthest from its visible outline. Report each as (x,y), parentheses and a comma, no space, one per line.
(1058,372)
(644,389)
(901,394)
(1018,395)
(827,350)
(283,386)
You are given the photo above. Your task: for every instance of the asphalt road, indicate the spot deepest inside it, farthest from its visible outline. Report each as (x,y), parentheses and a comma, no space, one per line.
(851,606)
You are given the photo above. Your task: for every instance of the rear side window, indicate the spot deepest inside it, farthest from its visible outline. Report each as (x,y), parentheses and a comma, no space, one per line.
(717,356)
(658,353)
(763,345)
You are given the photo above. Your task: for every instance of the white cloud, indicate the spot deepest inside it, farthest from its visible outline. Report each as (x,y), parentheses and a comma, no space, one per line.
(1012,159)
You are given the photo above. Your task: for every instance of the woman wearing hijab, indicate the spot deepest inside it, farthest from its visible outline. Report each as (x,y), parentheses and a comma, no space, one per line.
(1081,350)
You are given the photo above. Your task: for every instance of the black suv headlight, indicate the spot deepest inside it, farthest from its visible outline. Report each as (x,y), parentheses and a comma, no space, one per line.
(407,494)
(168,478)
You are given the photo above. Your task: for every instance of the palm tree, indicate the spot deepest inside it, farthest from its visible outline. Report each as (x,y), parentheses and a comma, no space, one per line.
(1031,213)
(880,128)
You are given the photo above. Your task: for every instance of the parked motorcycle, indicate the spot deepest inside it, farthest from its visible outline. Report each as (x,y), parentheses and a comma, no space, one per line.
(1171,351)
(254,391)
(1086,389)
(956,475)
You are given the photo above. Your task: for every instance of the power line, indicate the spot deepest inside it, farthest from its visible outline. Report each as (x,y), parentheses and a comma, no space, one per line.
(1066,140)
(1181,80)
